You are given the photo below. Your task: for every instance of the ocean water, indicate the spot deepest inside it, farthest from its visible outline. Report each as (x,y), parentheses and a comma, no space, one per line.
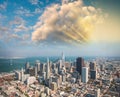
(8,65)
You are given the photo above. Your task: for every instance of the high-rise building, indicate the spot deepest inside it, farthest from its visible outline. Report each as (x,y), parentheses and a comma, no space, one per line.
(60,66)
(60,79)
(92,66)
(50,81)
(27,65)
(101,67)
(63,59)
(84,74)
(43,67)
(18,75)
(22,75)
(79,64)
(32,71)
(97,93)
(48,69)
(63,77)
(35,71)
(37,64)
(93,74)
(44,75)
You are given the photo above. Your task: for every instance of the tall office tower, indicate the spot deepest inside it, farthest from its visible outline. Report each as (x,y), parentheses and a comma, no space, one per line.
(63,59)
(92,66)
(84,74)
(36,71)
(101,67)
(32,71)
(50,81)
(63,62)
(27,65)
(48,69)
(93,74)
(44,75)
(63,56)
(97,93)
(63,78)
(22,74)
(38,65)
(59,66)
(79,64)
(43,67)
(18,75)
(56,71)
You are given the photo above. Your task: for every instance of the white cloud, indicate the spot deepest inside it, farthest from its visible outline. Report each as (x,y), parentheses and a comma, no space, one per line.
(37,11)
(26,36)
(72,22)
(34,2)
(24,12)
(21,28)
(3,29)
(3,6)
(14,36)
(17,21)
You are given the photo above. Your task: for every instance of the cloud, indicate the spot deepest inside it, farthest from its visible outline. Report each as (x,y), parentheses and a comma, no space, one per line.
(3,6)
(17,21)
(26,36)
(20,38)
(20,28)
(37,11)
(67,23)
(38,3)
(23,12)
(14,36)
(34,2)
(28,13)
(3,31)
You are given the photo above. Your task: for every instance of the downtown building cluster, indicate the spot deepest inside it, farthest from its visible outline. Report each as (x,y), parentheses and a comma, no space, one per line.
(61,78)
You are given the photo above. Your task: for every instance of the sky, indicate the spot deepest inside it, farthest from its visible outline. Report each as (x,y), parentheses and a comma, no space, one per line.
(48,27)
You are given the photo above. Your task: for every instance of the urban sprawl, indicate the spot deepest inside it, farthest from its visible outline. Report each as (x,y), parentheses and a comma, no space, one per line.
(97,78)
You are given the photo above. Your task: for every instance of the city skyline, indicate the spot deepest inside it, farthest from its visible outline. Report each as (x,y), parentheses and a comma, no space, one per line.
(46,27)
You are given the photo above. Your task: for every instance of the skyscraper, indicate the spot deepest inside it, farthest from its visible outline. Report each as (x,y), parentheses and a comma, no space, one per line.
(27,65)
(60,66)
(38,65)
(101,67)
(79,64)
(35,71)
(93,74)
(43,67)
(92,66)
(48,69)
(18,75)
(84,74)
(63,59)
(22,74)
